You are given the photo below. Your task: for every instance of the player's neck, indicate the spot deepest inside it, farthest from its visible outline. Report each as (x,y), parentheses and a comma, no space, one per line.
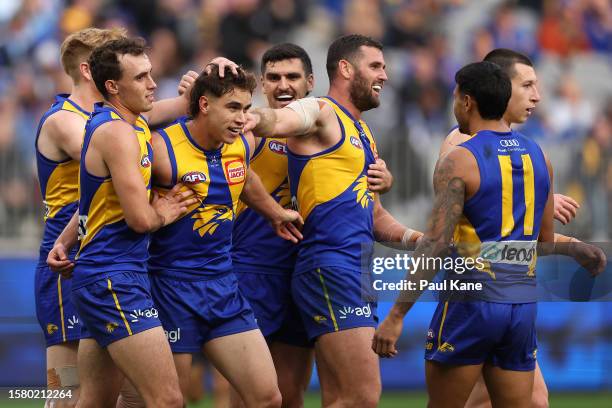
(343,98)
(198,133)
(84,96)
(478,124)
(122,110)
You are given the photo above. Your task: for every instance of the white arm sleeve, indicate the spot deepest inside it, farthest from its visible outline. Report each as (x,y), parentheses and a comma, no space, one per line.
(308,109)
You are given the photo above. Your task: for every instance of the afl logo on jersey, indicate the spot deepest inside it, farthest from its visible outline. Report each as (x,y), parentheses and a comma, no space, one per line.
(235,171)
(356,142)
(509,143)
(193,177)
(145,161)
(277,147)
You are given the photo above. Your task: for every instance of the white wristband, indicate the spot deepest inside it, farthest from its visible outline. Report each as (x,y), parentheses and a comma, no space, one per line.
(407,237)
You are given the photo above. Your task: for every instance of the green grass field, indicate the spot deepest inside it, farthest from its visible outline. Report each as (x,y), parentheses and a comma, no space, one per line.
(393,399)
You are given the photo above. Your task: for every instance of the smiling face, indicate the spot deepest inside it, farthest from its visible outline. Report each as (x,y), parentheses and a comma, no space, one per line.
(368,79)
(135,89)
(226,114)
(285,81)
(525,95)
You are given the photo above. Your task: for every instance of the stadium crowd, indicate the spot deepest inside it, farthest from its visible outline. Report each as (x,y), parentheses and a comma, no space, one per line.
(426,42)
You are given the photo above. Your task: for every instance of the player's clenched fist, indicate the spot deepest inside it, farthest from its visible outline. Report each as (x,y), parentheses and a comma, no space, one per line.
(380,178)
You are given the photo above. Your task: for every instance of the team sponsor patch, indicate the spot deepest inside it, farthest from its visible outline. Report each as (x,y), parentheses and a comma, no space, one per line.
(193,177)
(235,171)
(277,147)
(145,161)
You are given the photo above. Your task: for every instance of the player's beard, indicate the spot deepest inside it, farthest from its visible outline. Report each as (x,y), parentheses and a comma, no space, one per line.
(361,94)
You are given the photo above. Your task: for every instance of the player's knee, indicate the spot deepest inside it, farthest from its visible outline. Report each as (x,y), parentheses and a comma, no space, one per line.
(172,399)
(271,398)
(365,397)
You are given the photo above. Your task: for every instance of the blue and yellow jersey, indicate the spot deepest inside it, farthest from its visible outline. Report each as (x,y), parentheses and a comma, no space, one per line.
(256,246)
(58,181)
(198,245)
(330,190)
(501,222)
(108,245)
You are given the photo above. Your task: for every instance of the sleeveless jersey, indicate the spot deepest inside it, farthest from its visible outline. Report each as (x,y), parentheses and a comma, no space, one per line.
(330,191)
(502,221)
(255,244)
(108,245)
(58,182)
(198,245)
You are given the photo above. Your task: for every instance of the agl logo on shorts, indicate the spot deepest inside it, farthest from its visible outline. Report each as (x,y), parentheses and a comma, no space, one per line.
(364,311)
(235,171)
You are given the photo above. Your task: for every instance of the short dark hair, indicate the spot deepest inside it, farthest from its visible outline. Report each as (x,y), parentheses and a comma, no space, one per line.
(286,51)
(104,61)
(347,47)
(488,84)
(212,84)
(507,59)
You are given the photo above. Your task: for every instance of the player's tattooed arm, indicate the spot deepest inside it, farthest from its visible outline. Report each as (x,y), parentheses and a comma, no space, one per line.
(286,223)
(450,193)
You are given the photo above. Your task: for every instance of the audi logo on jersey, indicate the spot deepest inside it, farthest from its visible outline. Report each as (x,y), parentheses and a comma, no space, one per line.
(509,143)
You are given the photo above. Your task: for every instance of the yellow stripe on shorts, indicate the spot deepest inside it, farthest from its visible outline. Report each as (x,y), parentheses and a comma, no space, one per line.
(127,325)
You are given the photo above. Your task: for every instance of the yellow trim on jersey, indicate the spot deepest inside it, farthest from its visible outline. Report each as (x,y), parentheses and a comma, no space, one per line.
(507,191)
(127,325)
(528,180)
(468,243)
(442,325)
(61,306)
(62,188)
(67,106)
(326,295)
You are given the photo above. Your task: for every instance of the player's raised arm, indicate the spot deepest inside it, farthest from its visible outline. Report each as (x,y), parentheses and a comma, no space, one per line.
(284,221)
(450,192)
(302,117)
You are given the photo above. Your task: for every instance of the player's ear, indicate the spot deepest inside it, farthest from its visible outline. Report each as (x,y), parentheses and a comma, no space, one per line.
(345,69)
(85,71)
(309,83)
(111,87)
(203,103)
(468,102)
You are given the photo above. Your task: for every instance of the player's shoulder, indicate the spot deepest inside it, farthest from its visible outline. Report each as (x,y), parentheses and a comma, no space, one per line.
(62,124)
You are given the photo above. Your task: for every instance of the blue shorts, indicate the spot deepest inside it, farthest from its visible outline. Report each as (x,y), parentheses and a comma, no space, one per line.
(270,298)
(475,332)
(195,312)
(54,308)
(331,299)
(116,307)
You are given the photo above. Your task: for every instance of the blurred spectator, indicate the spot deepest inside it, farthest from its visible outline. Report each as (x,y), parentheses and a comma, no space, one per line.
(598,24)
(364,17)
(561,31)
(14,173)
(570,115)
(595,171)
(508,32)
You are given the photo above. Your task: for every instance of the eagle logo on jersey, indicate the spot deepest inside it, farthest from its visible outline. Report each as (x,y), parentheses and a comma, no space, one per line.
(364,196)
(209,217)
(283,196)
(111,326)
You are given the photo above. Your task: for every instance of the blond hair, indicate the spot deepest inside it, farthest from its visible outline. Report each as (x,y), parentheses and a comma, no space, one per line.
(77,47)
